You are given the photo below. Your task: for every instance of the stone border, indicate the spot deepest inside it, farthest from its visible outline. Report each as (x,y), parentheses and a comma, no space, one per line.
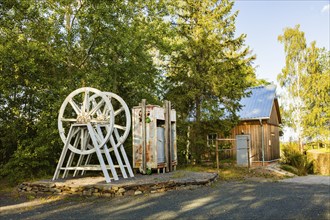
(113,190)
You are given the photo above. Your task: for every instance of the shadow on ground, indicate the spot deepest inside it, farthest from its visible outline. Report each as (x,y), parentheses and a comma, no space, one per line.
(222,200)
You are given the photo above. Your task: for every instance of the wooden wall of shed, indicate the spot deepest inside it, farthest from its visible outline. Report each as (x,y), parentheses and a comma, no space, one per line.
(274,117)
(271,136)
(271,139)
(251,128)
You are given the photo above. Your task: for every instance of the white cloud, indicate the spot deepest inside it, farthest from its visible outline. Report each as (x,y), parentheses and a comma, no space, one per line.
(326,8)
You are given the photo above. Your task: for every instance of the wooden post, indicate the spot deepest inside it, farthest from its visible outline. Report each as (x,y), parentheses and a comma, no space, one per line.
(217,152)
(248,152)
(144,136)
(168,142)
(170,147)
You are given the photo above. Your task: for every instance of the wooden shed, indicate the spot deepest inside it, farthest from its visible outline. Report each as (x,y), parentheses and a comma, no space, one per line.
(260,119)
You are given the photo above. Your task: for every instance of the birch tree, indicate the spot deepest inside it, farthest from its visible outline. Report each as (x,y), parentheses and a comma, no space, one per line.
(305,77)
(316,120)
(292,75)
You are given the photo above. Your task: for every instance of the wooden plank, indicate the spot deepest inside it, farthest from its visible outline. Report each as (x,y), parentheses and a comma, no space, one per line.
(225,139)
(217,153)
(169,135)
(144,136)
(168,158)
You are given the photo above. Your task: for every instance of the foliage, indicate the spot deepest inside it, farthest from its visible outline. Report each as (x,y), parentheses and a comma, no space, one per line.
(208,68)
(185,52)
(321,160)
(291,77)
(305,78)
(50,48)
(316,120)
(294,161)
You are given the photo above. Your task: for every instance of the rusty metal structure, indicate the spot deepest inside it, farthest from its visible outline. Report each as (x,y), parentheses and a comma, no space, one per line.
(90,123)
(154,137)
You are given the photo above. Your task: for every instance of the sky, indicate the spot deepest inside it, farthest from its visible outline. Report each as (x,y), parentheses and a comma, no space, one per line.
(263,21)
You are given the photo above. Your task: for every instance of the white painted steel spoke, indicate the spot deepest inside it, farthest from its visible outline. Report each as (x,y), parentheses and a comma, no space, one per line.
(97,107)
(69,119)
(119,111)
(85,106)
(120,127)
(75,107)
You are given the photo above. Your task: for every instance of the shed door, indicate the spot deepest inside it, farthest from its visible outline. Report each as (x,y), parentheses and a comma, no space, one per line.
(242,144)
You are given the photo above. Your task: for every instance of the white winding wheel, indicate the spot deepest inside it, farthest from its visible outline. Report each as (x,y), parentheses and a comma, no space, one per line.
(91,121)
(80,108)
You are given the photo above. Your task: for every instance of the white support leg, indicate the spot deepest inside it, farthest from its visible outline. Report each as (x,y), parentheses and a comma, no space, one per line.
(120,162)
(98,152)
(69,162)
(63,154)
(107,155)
(123,152)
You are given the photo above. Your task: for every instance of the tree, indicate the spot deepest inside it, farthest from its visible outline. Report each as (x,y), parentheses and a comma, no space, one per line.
(316,121)
(50,48)
(306,80)
(291,77)
(208,69)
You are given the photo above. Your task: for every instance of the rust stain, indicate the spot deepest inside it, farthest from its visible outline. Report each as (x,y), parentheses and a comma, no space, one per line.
(148,152)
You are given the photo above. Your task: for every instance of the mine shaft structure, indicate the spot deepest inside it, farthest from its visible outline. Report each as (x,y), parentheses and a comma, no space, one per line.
(92,122)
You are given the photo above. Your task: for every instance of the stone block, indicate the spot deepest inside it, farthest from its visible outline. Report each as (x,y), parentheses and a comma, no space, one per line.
(129,193)
(87,193)
(96,194)
(121,190)
(107,195)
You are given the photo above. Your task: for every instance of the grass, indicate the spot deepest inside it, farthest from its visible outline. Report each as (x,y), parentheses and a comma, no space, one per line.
(322,150)
(6,187)
(232,172)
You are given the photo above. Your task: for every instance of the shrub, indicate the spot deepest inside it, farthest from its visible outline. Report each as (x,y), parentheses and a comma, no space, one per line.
(295,162)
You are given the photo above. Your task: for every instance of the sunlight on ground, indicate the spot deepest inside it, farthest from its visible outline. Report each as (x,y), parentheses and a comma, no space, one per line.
(28,205)
(164,214)
(196,203)
(247,198)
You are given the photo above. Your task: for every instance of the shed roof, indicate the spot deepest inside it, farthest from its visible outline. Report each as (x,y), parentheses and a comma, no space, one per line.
(258,105)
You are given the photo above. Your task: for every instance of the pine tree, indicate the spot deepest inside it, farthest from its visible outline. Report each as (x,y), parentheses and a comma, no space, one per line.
(209,68)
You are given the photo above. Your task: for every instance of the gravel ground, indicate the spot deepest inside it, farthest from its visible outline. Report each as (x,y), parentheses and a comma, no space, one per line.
(222,200)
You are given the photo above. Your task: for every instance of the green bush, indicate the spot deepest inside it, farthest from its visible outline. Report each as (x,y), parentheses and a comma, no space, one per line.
(294,161)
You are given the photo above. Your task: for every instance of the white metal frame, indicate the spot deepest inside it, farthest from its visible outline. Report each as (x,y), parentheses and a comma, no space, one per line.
(93,129)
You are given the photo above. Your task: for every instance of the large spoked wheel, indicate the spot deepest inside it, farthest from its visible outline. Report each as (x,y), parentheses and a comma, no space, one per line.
(122,117)
(80,109)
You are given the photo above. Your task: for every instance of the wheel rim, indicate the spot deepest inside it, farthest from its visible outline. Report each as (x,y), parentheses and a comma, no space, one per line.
(79,108)
(122,116)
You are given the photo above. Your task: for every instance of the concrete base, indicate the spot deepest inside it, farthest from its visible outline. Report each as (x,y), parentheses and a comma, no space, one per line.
(140,184)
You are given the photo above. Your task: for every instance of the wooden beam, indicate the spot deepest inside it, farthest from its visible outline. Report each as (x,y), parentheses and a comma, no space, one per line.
(168,142)
(217,153)
(144,136)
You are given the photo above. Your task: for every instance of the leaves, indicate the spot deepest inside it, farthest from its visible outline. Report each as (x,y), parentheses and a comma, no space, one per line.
(208,70)
(184,51)
(48,49)
(306,80)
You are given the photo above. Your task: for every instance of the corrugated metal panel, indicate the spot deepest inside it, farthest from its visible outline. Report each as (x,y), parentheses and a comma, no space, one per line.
(258,104)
